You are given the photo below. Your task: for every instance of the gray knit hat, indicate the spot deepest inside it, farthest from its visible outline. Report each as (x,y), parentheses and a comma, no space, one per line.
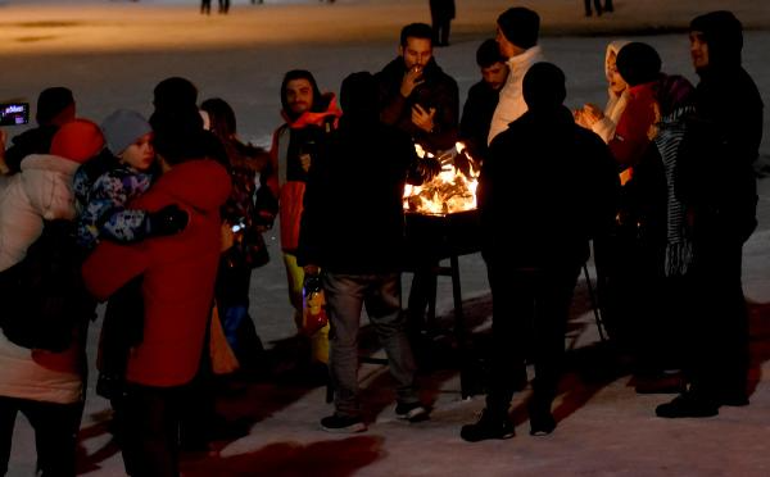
(122,128)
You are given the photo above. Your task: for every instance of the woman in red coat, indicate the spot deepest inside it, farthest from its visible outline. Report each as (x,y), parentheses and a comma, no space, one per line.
(178,287)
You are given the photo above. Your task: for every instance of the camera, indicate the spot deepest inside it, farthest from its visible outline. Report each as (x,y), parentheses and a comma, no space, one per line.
(14,114)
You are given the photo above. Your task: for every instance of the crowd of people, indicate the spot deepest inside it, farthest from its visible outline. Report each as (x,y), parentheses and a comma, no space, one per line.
(168,211)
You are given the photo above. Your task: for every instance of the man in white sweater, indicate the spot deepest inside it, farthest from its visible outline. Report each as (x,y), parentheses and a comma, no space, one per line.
(517,32)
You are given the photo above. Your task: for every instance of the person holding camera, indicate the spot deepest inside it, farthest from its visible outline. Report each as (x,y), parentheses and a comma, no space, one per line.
(55,106)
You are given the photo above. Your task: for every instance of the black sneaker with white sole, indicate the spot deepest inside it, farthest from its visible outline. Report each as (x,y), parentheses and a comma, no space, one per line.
(342,424)
(412,412)
(489,426)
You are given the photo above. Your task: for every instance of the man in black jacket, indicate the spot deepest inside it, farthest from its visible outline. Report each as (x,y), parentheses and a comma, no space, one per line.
(547,187)
(353,229)
(718,187)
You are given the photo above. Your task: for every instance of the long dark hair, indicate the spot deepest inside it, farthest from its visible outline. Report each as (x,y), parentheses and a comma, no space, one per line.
(221,116)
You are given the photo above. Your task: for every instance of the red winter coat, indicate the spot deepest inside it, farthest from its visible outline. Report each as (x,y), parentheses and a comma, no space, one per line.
(178,270)
(637,125)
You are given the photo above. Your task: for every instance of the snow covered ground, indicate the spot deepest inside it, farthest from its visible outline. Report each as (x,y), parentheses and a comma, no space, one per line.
(111,53)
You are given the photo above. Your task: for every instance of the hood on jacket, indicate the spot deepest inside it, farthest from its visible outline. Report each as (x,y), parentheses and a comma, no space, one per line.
(724,35)
(201,184)
(317,115)
(612,49)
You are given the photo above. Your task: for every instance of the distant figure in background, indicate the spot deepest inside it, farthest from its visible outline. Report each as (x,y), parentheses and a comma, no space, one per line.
(206,7)
(598,7)
(482,98)
(441,13)
(55,106)
(224,6)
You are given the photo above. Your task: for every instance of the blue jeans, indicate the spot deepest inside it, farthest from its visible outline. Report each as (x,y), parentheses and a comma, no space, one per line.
(345,297)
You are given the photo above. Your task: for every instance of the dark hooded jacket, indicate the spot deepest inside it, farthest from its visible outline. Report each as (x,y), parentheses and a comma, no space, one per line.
(438,91)
(353,221)
(546,188)
(717,178)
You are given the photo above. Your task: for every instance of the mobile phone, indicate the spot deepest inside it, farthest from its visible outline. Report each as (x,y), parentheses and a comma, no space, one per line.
(14,114)
(238,226)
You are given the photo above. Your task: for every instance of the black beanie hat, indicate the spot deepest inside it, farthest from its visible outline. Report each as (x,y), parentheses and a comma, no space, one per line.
(544,87)
(358,96)
(520,26)
(51,102)
(638,63)
(724,35)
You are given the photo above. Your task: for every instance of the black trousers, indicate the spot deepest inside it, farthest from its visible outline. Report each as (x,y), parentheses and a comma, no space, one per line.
(150,429)
(56,427)
(529,315)
(597,6)
(719,324)
(441,27)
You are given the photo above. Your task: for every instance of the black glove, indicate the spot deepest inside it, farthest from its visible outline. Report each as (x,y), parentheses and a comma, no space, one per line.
(167,221)
(429,167)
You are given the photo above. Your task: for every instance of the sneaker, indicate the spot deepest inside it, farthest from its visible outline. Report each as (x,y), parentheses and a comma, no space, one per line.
(412,412)
(541,424)
(489,426)
(342,424)
(687,405)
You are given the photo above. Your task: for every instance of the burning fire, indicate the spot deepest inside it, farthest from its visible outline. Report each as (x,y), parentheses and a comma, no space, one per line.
(452,190)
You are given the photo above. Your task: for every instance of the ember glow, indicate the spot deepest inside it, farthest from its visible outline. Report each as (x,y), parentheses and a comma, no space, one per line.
(452,190)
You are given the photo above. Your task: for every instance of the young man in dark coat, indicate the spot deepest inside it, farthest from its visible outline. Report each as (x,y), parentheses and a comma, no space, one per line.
(718,187)
(482,98)
(416,96)
(547,187)
(353,229)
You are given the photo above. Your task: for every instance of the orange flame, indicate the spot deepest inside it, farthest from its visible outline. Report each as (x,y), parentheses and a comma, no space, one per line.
(452,190)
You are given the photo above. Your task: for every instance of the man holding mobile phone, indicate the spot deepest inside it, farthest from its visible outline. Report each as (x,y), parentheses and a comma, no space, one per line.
(416,96)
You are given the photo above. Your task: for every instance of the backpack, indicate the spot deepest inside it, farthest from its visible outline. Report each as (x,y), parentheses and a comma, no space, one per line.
(44,297)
